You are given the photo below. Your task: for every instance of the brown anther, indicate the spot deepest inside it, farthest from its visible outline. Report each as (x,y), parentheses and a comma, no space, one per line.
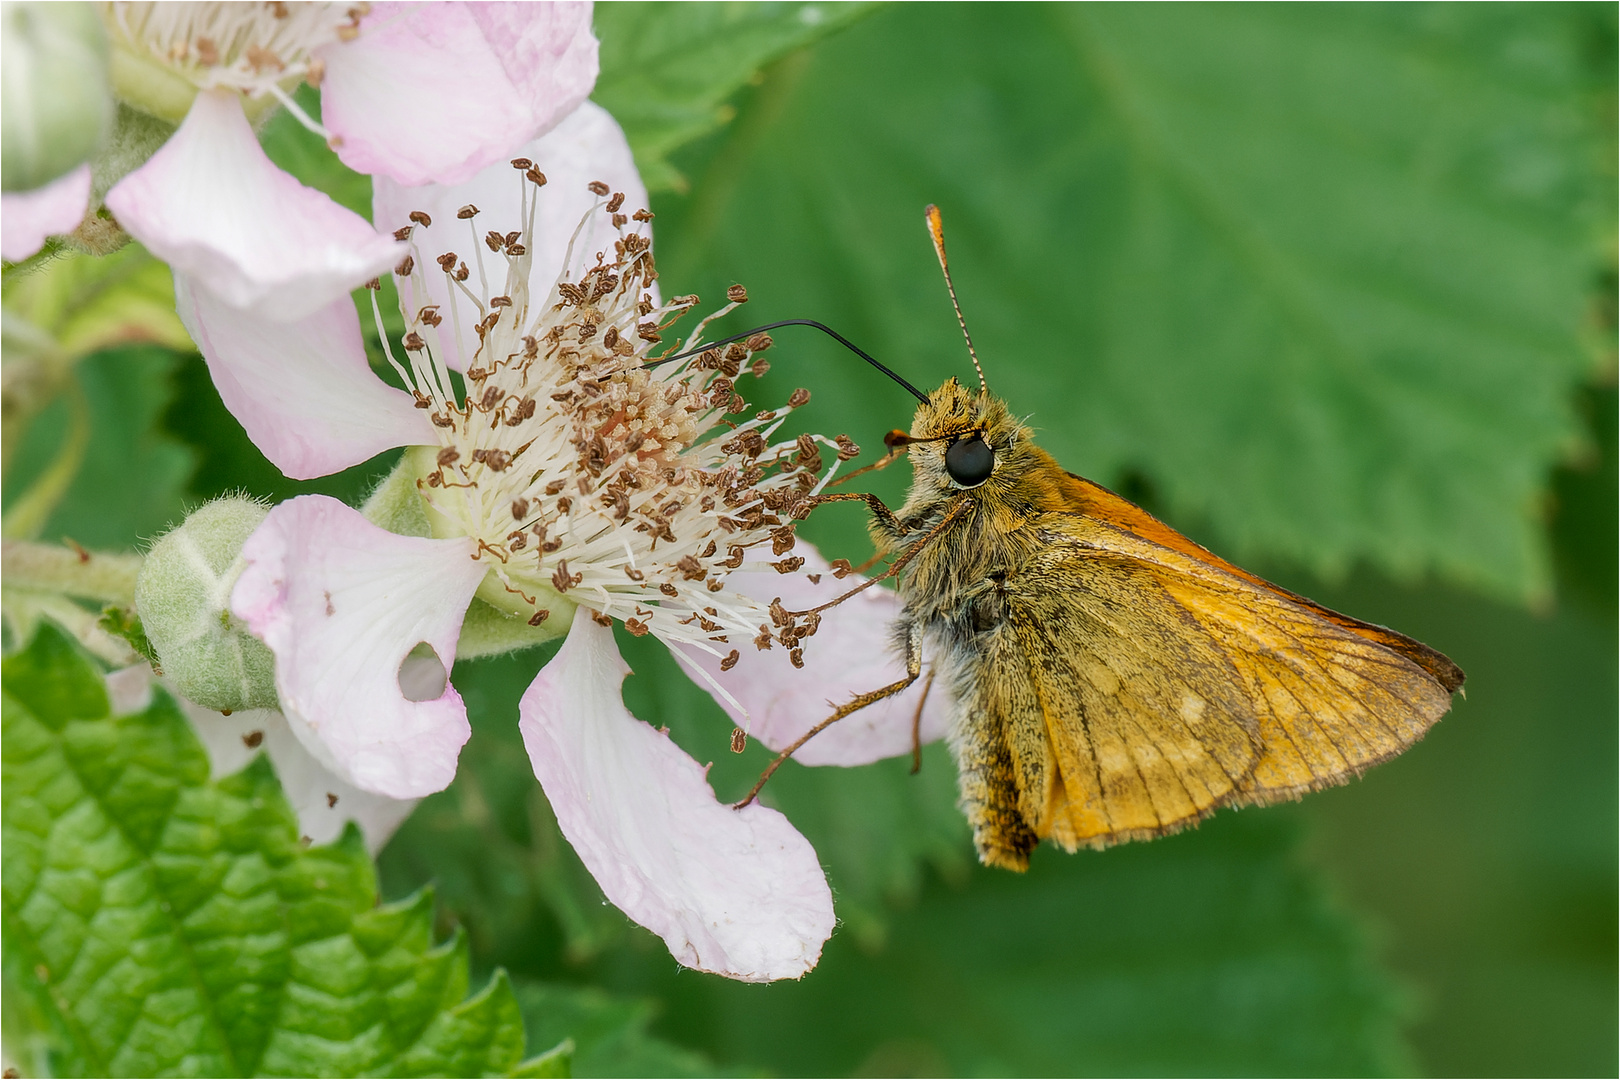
(447,262)
(598,188)
(562,580)
(610,337)
(314,72)
(764,641)
(512,238)
(798,398)
(669,590)
(736,351)
(736,557)
(462,272)
(555,486)
(524,410)
(633,574)
(441,420)
(522,164)
(619,221)
(413,342)
(847,448)
(782,540)
(615,202)
(648,331)
(551,545)
(375,285)
(601,620)
(797,657)
(759,342)
(691,569)
(494,241)
(449,456)
(421,218)
(517,541)
(690,300)
(637,627)
(535,177)
(207,52)
(739,737)
(564,505)
(406,265)
(252,739)
(730,661)
(759,367)
(520,509)
(779,614)
(498,460)
(737,294)
(500,301)
(715,585)
(331,800)
(402,233)
(765,414)
(841,569)
(515,249)
(642,215)
(539,617)
(467,212)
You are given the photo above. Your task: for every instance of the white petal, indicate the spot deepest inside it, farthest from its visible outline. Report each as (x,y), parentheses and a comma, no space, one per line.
(733,892)
(28,217)
(586,146)
(213,206)
(341,603)
(852,653)
(303,390)
(433,93)
(308,786)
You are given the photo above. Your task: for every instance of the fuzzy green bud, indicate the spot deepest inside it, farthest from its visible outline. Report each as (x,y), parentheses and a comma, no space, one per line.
(55,101)
(183,597)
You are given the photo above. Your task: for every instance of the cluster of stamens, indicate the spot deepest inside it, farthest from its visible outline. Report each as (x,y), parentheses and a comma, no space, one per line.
(253,48)
(583,466)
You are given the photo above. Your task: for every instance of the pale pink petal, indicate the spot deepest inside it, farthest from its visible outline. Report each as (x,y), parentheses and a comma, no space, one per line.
(586,146)
(303,390)
(323,801)
(214,207)
(433,93)
(28,217)
(732,892)
(852,653)
(341,603)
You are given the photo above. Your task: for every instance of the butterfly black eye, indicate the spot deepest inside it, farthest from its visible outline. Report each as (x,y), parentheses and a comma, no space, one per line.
(970,461)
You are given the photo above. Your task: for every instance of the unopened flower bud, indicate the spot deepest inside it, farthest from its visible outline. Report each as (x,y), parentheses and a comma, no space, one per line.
(183,596)
(55,103)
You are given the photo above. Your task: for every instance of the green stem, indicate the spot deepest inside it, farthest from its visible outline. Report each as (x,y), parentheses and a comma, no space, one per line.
(99,576)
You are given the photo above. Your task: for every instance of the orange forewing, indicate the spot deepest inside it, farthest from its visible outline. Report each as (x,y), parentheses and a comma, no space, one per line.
(1147,682)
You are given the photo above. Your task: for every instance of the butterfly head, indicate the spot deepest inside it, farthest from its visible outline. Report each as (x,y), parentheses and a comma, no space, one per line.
(962,439)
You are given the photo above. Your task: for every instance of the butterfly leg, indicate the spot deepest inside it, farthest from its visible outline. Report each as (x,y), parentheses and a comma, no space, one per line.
(916,727)
(854,704)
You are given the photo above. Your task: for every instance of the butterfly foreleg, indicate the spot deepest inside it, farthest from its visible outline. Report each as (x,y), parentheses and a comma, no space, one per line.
(854,704)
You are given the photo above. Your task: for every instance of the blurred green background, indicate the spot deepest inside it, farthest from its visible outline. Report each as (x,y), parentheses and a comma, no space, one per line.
(1329,288)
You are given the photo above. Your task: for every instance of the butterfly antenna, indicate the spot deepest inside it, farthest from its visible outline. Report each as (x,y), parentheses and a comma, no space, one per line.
(825,329)
(936,230)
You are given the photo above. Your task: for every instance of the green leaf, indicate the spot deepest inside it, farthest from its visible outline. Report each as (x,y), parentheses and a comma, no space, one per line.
(668,70)
(608,1035)
(1210,953)
(158,923)
(1320,274)
(129,483)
